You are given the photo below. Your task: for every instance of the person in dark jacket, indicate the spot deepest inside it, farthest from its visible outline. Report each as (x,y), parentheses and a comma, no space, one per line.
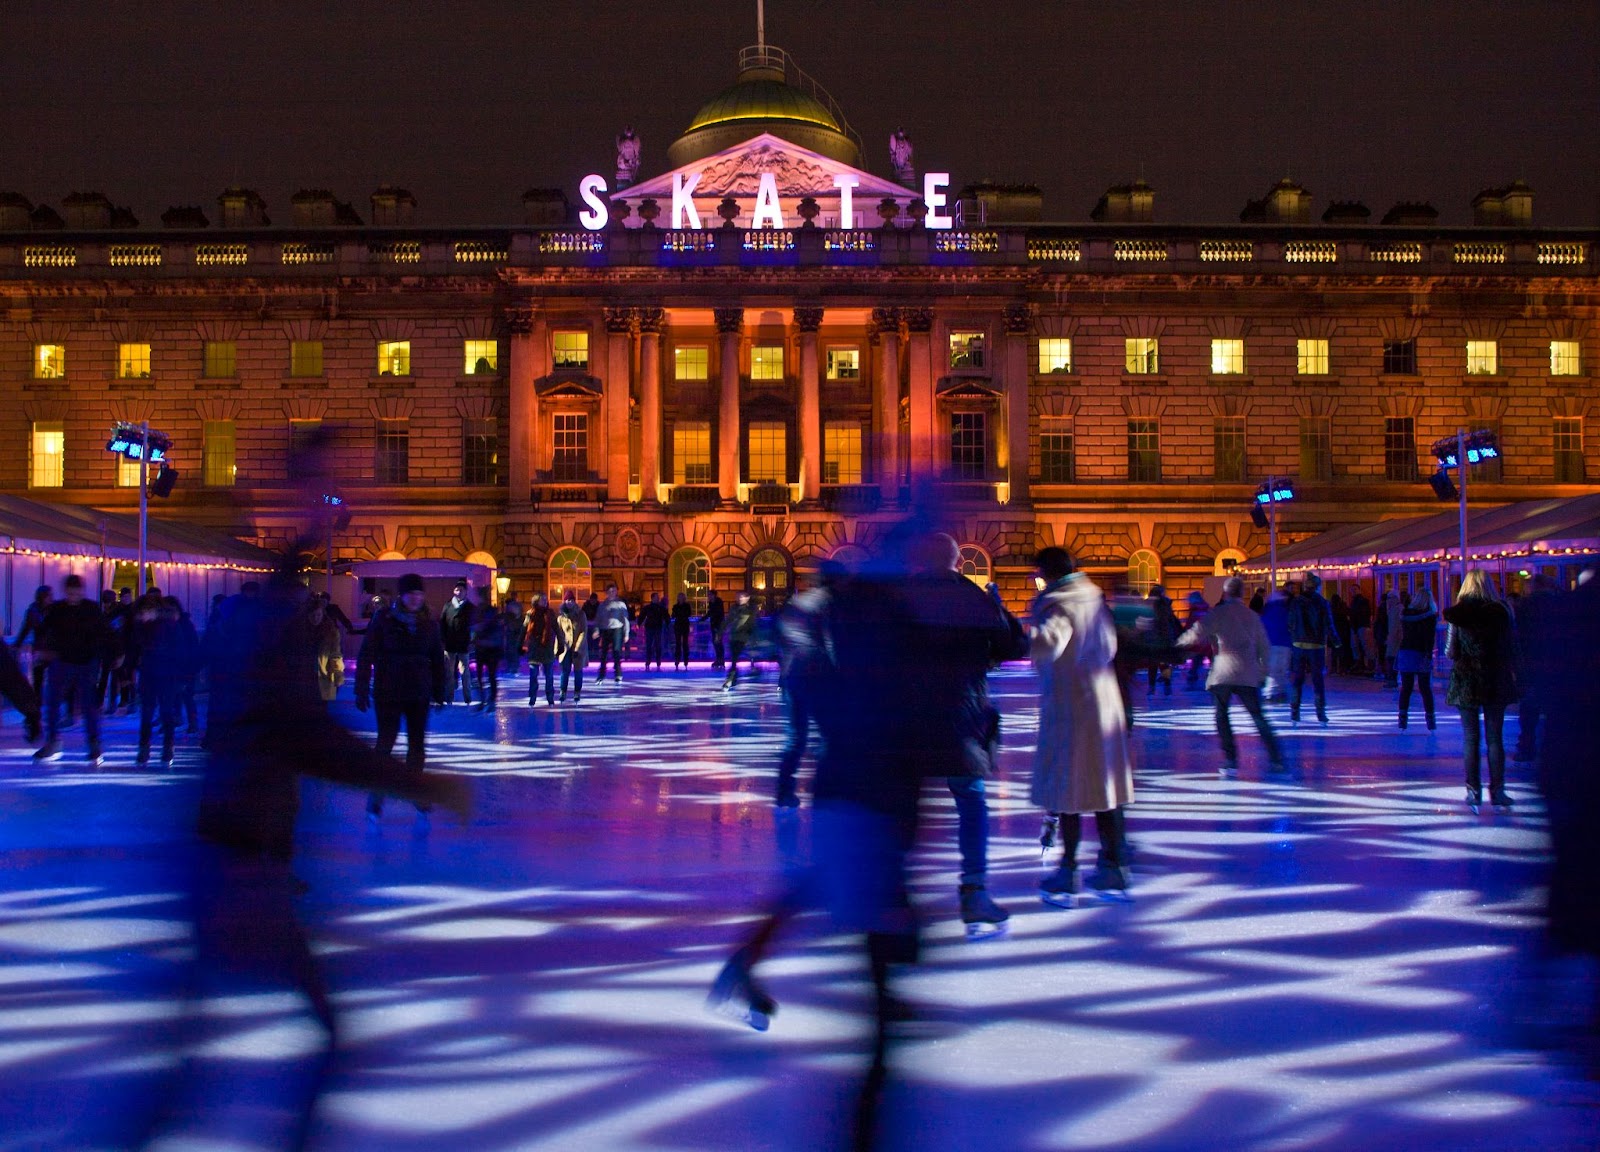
(1530,625)
(539,641)
(1197,658)
(1164,631)
(488,648)
(455,629)
(1419,625)
(75,641)
(737,633)
(572,645)
(14,687)
(401,668)
(654,617)
(1483,682)
(716,616)
(28,634)
(1310,623)
(682,618)
(1363,654)
(1339,649)
(166,656)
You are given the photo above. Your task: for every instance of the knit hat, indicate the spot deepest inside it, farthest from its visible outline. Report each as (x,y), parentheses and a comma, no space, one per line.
(410,582)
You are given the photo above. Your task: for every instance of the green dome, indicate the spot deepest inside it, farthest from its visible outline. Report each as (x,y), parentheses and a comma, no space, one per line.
(762,99)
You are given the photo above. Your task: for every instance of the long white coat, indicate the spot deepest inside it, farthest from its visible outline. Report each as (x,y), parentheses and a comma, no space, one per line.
(1082,762)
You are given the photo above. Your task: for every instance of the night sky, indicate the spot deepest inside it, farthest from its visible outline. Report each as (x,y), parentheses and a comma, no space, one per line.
(467,104)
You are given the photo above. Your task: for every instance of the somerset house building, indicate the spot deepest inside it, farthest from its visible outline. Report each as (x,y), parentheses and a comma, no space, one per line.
(720,371)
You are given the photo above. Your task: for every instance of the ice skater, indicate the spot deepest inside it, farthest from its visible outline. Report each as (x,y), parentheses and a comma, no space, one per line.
(1238,669)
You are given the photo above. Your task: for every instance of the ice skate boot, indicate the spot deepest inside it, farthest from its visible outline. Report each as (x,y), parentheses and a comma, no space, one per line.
(1110,883)
(1060,887)
(736,995)
(983,917)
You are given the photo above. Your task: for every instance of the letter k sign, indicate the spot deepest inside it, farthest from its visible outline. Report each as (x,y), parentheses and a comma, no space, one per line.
(683,201)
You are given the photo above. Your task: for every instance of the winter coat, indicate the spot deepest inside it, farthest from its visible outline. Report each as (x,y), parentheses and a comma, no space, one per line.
(1482,673)
(716,612)
(741,625)
(682,616)
(401,659)
(613,617)
(1164,627)
(1239,641)
(1082,762)
(489,632)
(330,657)
(1393,612)
(168,657)
(76,634)
(455,625)
(1360,612)
(654,616)
(1418,631)
(572,634)
(1310,620)
(1275,619)
(539,634)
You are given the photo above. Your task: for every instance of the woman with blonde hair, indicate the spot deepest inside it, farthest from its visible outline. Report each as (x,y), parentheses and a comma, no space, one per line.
(1419,625)
(1482,681)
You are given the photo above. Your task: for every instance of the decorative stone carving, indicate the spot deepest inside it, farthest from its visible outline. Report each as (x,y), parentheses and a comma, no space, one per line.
(619,320)
(900,158)
(651,319)
(918,318)
(1018,318)
(885,320)
(729,320)
(808,317)
(648,211)
(519,321)
(888,209)
(728,209)
(627,157)
(809,210)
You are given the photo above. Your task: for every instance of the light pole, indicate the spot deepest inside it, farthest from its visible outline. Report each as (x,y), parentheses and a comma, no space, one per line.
(1270,493)
(338,513)
(146,445)
(1460,452)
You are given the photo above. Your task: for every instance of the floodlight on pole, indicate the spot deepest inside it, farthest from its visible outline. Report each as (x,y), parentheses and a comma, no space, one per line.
(148,446)
(1461,452)
(1270,493)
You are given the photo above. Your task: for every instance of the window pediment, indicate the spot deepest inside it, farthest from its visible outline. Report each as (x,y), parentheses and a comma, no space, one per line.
(577,385)
(966,388)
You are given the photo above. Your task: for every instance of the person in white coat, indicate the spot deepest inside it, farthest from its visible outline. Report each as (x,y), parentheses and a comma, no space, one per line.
(1239,667)
(1082,761)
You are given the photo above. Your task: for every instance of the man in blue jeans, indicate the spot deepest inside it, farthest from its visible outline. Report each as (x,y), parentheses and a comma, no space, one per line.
(75,640)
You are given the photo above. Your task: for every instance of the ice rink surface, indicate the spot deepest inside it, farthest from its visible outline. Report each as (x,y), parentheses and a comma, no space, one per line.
(1348,962)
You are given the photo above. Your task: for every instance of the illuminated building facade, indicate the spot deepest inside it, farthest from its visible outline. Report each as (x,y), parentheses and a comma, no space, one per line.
(728,371)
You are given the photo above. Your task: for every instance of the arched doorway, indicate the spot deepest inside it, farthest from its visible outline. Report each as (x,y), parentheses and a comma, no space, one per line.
(976,565)
(689,572)
(1144,570)
(569,568)
(770,578)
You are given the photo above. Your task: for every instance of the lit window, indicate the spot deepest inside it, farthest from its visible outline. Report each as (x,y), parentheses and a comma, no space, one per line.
(392,455)
(570,446)
(1141,356)
(966,349)
(221,358)
(571,351)
(1144,572)
(975,565)
(217,454)
(50,361)
(1227,357)
(480,452)
(769,462)
(128,473)
(1316,448)
(394,358)
(1311,357)
(305,357)
(691,362)
(133,361)
(1055,355)
(844,363)
(1144,451)
(1400,357)
(766,362)
(480,358)
(689,572)
(841,452)
(1483,357)
(569,570)
(968,448)
(1568,446)
(1056,453)
(48,466)
(1228,455)
(691,451)
(1566,358)
(1399,448)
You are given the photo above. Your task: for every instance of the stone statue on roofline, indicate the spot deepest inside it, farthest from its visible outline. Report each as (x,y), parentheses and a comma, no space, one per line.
(900,157)
(627,157)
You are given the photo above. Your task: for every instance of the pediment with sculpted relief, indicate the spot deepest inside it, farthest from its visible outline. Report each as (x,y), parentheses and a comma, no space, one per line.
(737,171)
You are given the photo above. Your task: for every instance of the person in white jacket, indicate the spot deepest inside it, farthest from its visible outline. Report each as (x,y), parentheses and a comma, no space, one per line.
(1082,762)
(1239,667)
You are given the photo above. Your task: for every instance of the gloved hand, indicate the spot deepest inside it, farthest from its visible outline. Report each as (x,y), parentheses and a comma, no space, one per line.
(362,702)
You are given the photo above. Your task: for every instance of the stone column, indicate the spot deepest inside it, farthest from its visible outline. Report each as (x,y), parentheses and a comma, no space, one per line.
(523,400)
(730,326)
(1014,448)
(619,359)
(924,462)
(887,323)
(808,318)
(651,322)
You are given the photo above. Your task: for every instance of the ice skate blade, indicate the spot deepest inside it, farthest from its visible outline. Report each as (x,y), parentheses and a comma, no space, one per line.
(1112,896)
(748,1015)
(1068,900)
(983,930)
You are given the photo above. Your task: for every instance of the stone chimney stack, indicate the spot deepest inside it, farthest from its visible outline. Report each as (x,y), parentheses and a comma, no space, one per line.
(1510,207)
(391,205)
(87,210)
(1126,204)
(242,208)
(312,208)
(545,208)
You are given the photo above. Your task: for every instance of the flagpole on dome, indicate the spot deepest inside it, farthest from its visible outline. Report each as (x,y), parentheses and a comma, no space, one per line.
(761,26)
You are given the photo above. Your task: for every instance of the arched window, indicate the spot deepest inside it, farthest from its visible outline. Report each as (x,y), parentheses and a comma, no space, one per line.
(689,572)
(852,556)
(569,568)
(1144,569)
(1227,560)
(975,565)
(391,554)
(771,579)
